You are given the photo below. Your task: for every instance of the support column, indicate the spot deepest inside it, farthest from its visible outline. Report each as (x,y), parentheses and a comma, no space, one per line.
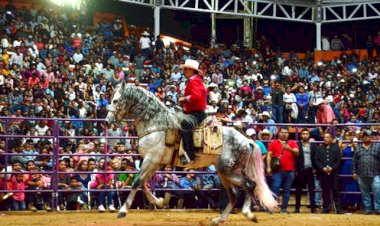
(213,30)
(248,26)
(319,35)
(318,23)
(213,26)
(248,31)
(156,21)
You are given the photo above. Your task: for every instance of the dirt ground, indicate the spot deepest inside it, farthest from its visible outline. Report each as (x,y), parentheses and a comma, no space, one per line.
(181,218)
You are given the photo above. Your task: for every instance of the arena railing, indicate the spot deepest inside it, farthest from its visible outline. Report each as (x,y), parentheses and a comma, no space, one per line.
(56,156)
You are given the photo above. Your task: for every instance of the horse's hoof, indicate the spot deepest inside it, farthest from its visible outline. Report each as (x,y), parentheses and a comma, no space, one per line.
(160,202)
(254,220)
(215,222)
(121,214)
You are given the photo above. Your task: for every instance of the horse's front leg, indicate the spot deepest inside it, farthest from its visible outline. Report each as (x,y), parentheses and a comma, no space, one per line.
(148,168)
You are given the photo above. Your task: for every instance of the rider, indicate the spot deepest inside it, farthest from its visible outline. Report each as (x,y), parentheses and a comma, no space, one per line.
(194,103)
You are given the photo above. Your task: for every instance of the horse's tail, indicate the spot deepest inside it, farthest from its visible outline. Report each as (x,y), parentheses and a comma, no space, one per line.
(255,171)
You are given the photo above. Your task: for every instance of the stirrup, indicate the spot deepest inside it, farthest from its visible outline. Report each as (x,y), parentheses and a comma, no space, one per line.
(185,159)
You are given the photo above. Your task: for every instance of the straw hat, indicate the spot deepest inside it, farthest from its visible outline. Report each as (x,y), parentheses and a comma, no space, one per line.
(319,101)
(265,113)
(265,132)
(192,64)
(145,33)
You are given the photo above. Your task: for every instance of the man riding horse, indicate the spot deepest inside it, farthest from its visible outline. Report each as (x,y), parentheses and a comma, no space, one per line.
(194,103)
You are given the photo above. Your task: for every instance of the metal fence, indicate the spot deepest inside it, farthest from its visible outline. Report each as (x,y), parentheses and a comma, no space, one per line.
(56,137)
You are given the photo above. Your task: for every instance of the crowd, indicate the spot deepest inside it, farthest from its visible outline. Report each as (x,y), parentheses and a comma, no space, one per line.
(54,65)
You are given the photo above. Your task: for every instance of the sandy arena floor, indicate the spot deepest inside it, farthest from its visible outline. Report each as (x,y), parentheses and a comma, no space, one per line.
(181,218)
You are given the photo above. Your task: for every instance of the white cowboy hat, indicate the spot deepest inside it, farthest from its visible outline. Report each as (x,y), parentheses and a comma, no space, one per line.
(265,113)
(319,101)
(265,132)
(145,33)
(250,132)
(213,85)
(192,64)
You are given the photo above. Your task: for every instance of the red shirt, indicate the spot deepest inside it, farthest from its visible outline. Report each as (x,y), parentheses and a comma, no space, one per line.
(287,161)
(196,95)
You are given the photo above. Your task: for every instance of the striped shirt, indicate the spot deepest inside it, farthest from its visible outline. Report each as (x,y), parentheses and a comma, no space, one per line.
(366,162)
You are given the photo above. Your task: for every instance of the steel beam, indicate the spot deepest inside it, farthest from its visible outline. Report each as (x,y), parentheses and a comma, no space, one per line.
(297,11)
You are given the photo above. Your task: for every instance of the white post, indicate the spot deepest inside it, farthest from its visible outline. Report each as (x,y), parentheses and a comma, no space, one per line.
(318,23)
(319,35)
(156,21)
(213,30)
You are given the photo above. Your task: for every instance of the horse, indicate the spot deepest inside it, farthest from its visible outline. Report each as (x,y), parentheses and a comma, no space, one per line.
(240,163)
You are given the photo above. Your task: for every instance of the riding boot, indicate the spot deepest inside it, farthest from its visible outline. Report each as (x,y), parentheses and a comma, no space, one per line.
(180,203)
(167,198)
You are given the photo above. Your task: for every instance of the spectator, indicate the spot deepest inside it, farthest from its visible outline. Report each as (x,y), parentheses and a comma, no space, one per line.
(145,44)
(327,160)
(336,43)
(305,170)
(366,169)
(325,43)
(350,202)
(73,194)
(266,117)
(251,134)
(18,183)
(191,183)
(170,181)
(285,150)
(104,181)
(278,102)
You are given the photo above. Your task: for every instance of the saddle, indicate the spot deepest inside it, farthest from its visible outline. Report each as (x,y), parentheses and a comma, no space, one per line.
(207,136)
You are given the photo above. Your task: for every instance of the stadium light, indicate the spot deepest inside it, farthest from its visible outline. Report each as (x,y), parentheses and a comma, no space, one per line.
(72,3)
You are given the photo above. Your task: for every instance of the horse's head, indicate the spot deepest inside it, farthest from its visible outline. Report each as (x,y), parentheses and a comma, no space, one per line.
(115,113)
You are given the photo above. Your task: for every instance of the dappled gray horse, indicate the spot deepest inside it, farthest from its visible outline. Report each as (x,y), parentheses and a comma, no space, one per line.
(239,165)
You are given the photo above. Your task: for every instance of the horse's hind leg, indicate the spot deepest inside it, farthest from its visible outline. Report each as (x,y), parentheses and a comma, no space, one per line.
(247,208)
(146,172)
(232,195)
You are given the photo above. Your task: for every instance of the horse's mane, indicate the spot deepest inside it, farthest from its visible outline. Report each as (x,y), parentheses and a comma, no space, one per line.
(144,105)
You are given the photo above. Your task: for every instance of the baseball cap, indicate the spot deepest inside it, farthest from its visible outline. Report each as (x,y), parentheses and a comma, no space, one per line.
(367,132)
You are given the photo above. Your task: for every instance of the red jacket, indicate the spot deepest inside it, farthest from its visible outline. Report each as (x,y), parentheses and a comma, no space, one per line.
(196,95)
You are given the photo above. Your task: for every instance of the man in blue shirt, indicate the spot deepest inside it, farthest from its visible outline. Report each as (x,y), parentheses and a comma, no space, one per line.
(102,101)
(188,182)
(302,103)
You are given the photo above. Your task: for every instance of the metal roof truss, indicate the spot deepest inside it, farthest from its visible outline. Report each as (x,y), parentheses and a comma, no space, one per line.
(278,10)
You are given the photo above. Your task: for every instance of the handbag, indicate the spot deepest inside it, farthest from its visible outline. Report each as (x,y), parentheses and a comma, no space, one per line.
(288,106)
(275,162)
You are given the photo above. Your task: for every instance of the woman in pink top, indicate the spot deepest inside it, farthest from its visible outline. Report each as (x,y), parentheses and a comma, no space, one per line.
(104,181)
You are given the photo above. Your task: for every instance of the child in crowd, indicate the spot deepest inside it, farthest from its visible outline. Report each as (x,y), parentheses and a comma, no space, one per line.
(74,191)
(18,183)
